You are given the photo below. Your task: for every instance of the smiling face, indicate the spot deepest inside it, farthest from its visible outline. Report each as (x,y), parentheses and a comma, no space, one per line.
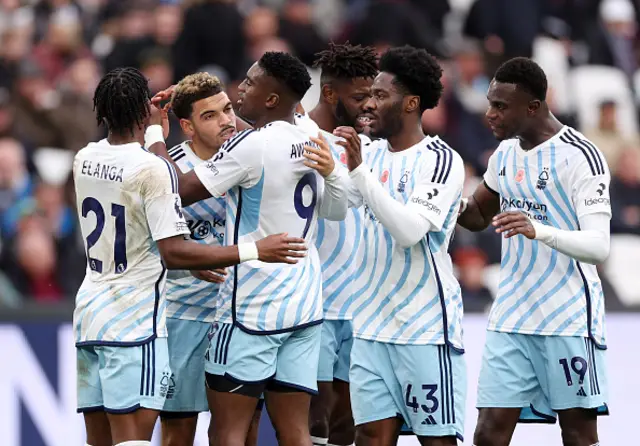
(212,121)
(383,110)
(510,110)
(352,96)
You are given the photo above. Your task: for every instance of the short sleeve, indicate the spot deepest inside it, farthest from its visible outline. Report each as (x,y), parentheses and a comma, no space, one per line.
(237,163)
(589,184)
(162,204)
(438,187)
(491,174)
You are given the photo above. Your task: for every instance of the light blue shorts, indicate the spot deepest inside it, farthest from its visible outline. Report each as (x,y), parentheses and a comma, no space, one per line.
(335,350)
(542,374)
(123,379)
(289,358)
(188,344)
(426,385)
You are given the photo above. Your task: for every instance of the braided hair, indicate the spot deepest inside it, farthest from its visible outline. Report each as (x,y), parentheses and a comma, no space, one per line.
(121,100)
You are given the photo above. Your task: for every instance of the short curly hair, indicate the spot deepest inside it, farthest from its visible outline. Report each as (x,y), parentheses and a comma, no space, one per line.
(288,70)
(346,62)
(191,89)
(416,71)
(525,74)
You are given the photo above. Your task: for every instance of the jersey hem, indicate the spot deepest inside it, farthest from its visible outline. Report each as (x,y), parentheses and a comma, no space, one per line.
(456,348)
(118,343)
(328,317)
(274,332)
(600,345)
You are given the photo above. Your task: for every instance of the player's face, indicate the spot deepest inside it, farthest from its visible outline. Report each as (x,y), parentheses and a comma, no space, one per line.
(253,93)
(508,110)
(383,109)
(352,97)
(213,121)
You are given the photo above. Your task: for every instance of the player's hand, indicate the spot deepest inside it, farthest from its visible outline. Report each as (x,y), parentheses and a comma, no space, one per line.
(213,276)
(160,116)
(351,144)
(281,248)
(162,96)
(320,158)
(513,223)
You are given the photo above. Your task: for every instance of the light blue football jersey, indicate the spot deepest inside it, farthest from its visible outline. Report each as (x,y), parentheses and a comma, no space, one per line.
(188,297)
(411,296)
(541,290)
(269,191)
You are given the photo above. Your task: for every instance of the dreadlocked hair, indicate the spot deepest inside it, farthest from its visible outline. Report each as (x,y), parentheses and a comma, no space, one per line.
(288,70)
(346,62)
(416,71)
(191,89)
(121,100)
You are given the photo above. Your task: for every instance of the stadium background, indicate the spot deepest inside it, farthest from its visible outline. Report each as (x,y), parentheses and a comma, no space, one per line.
(53,52)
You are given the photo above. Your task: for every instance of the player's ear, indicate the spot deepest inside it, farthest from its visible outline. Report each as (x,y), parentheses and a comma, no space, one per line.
(412,103)
(534,106)
(272,101)
(328,94)
(187,127)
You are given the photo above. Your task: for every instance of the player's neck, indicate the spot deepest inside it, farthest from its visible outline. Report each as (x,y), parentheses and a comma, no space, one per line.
(323,117)
(116,139)
(202,151)
(275,115)
(406,139)
(540,133)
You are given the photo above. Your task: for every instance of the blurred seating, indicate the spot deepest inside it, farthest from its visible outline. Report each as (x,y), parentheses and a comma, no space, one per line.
(551,55)
(590,85)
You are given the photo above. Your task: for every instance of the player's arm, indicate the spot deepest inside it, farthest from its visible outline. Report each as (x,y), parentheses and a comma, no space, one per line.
(333,202)
(163,210)
(478,210)
(178,253)
(590,198)
(426,209)
(190,187)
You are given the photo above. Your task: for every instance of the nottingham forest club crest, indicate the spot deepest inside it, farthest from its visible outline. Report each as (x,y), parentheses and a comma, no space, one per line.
(543,178)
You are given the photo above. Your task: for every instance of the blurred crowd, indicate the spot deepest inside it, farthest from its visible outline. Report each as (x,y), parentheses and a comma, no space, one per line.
(53,52)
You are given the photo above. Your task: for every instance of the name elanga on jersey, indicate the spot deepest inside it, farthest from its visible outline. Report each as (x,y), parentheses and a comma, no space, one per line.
(102,171)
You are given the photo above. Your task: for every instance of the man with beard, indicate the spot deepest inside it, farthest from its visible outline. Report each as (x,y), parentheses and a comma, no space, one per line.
(207,118)
(274,177)
(346,78)
(406,361)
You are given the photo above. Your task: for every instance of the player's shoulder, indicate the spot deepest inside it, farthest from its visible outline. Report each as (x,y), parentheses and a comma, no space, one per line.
(437,150)
(306,123)
(579,151)
(247,136)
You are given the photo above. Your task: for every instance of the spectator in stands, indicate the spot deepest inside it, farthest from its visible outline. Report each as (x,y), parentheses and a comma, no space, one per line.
(15,184)
(36,257)
(612,42)
(61,46)
(607,135)
(625,193)
(211,35)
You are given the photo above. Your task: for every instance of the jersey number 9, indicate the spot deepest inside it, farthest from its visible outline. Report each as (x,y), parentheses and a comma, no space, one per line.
(306,212)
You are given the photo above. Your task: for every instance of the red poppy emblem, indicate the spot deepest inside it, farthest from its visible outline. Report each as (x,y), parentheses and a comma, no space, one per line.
(520,175)
(343,158)
(384,177)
